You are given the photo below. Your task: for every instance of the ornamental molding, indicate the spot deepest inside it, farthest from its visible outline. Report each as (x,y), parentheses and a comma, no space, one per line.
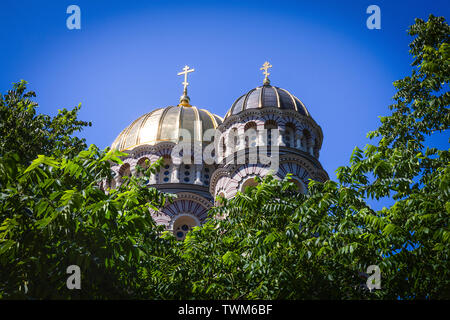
(175,218)
(193,197)
(303,162)
(216,176)
(230,170)
(315,172)
(249,114)
(181,196)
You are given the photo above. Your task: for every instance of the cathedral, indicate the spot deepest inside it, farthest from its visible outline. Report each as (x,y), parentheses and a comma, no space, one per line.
(266,130)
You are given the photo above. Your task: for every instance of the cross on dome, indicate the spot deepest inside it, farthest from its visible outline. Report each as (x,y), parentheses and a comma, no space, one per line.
(265,67)
(185,72)
(184,100)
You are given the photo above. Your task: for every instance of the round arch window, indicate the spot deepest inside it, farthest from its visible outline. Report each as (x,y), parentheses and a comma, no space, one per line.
(250,182)
(300,187)
(182,226)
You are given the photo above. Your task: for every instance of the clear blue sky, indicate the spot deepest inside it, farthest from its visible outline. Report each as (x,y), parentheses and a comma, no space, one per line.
(124,60)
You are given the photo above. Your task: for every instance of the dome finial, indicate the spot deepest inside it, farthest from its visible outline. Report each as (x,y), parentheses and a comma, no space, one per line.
(266,66)
(184,99)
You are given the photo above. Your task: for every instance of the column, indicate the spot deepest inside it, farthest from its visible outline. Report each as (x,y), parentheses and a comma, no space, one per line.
(152,179)
(260,136)
(174,177)
(280,138)
(133,171)
(198,174)
(241,141)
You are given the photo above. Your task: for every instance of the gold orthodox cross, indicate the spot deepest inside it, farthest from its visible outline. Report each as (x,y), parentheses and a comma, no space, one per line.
(266,66)
(185,71)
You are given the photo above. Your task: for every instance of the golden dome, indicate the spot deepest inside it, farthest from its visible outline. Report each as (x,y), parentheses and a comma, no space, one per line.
(164,124)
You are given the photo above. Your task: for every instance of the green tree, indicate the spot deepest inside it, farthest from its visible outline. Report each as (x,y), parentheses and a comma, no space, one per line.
(55,213)
(56,210)
(413,233)
(275,244)
(25,132)
(268,242)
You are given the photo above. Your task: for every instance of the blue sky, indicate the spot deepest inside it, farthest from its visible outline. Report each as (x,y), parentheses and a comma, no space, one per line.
(125,59)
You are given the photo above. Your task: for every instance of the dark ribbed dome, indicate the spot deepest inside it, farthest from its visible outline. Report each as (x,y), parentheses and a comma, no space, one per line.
(267,96)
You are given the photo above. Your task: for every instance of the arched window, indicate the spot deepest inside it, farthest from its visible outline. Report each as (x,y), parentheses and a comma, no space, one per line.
(233,139)
(183,225)
(316,148)
(144,164)
(250,134)
(250,182)
(289,135)
(223,146)
(300,186)
(219,201)
(124,171)
(270,125)
(305,140)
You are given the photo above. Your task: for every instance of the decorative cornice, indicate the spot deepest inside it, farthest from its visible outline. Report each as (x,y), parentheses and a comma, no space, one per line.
(216,175)
(243,116)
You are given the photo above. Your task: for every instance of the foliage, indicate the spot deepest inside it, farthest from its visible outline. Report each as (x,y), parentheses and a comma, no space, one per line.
(278,245)
(268,242)
(29,134)
(415,230)
(54,214)
(273,243)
